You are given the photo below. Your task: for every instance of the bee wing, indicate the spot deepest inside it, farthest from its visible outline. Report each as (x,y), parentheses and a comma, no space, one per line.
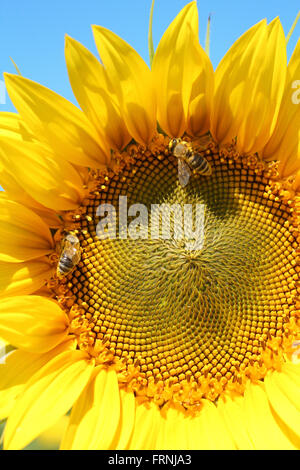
(199,144)
(76,257)
(72,251)
(184,172)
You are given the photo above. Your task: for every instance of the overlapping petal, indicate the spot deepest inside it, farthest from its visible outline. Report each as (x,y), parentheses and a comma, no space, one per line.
(147,422)
(13,191)
(132,80)
(174,72)
(198,71)
(127,420)
(48,395)
(284,145)
(233,413)
(11,186)
(23,234)
(18,368)
(24,278)
(52,437)
(249,84)
(32,322)
(50,217)
(11,125)
(283,389)
(49,180)
(264,430)
(95,416)
(173,432)
(208,430)
(58,122)
(268,87)
(231,83)
(95,95)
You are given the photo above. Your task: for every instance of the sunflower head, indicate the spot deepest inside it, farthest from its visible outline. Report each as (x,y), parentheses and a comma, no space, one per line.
(150,247)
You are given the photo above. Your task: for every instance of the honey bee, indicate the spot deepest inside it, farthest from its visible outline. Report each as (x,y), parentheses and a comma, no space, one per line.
(69,256)
(189,158)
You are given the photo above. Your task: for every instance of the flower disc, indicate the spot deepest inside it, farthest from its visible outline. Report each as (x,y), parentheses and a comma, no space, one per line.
(182,315)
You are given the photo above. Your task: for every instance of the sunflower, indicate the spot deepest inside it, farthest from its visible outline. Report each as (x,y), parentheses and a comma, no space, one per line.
(147,344)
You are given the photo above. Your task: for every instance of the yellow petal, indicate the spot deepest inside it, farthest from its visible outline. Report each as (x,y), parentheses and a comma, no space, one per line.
(50,217)
(13,191)
(284,145)
(126,423)
(233,413)
(231,83)
(209,430)
(174,57)
(264,431)
(146,426)
(48,179)
(267,86)
(200,70)
(95,416)
(132,80)
(51,438)
(296,183)
(17,194)
(249,84)
(57,121)
(48,395)
(11,186)
(23,234)
(32,323)
(19,367)
(11,125)
(172,432)
(24,278)
(283,394)
(93,92)
(44,292)
(293,371)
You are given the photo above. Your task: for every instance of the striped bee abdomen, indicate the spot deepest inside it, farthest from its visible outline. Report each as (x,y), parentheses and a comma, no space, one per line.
(65,264)
(202,166)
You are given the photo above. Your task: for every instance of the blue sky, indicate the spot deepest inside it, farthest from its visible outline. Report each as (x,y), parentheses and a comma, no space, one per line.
(32,31)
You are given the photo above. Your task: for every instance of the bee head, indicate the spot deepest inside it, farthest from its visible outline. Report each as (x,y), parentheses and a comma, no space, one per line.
(172,144)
